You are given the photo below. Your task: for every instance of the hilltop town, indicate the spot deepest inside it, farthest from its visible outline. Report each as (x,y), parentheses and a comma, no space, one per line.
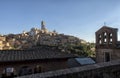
(44,58)
(35,37)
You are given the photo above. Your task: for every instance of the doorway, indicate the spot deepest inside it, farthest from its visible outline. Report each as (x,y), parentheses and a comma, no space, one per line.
(107,56)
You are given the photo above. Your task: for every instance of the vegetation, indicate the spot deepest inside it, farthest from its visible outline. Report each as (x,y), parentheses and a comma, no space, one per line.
(83,50)
(87,50)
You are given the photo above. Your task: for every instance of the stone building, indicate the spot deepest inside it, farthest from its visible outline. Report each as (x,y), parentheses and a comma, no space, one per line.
(107,45)
(101,70)
(43,28)
(37,60)
(43,25)
(4,44)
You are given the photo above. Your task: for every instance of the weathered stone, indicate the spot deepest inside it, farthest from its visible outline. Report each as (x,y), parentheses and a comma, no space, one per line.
(100,70)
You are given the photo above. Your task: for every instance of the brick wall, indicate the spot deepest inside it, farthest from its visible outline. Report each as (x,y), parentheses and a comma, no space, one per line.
(100,70)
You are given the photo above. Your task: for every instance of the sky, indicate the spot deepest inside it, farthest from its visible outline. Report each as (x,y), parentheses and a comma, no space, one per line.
(80,18)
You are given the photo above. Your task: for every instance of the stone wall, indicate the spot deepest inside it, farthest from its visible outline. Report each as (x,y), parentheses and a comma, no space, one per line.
(100,70)
(100,54)
(45,65)
(107,45)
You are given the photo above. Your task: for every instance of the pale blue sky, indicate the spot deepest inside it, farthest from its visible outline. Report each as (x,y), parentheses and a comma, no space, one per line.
(79,18)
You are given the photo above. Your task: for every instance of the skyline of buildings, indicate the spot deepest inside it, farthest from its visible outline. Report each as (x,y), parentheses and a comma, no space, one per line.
(77,18)
(37,36)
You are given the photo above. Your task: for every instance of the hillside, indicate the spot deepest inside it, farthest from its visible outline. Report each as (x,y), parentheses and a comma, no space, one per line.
(39,37)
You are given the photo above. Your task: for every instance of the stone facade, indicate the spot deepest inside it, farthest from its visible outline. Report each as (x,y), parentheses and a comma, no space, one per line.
(100,70)
(37,36)
(4,44)
(28,67)
(107,46)
(39,59)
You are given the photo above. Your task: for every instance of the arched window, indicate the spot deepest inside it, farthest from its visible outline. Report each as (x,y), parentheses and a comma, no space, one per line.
(105,34)
(110,38)
(99,36)
(105,40)
(110,35)
(110,41)
(100,42)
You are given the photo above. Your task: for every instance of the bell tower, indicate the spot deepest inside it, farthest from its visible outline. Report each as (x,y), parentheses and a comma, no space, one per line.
(43,25)
(107,46)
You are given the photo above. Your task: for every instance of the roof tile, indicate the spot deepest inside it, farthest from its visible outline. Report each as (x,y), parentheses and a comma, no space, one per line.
(39,54)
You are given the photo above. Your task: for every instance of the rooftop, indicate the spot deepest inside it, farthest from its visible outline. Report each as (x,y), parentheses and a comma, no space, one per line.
(107,27)
(33,54)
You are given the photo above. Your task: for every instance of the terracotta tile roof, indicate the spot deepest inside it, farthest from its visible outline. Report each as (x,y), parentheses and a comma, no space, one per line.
(38,54)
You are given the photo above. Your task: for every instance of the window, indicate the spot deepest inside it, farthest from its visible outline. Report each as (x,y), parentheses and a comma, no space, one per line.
(110,35)
(110,38)
(105,40)
(25,70)
(110,41)
(100,42)
(105,34)
(99,36)
(107,56)
(37,69)
(8,72)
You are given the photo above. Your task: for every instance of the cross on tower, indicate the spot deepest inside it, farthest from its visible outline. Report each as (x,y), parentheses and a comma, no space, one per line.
(104,23)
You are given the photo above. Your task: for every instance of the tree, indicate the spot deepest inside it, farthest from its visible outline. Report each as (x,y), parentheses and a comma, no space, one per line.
(81,49)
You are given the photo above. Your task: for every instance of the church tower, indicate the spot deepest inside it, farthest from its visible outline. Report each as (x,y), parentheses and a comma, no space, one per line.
(43,25)
(107,45)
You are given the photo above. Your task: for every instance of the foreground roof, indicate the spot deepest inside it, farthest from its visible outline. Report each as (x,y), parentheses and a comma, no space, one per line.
(35,54)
